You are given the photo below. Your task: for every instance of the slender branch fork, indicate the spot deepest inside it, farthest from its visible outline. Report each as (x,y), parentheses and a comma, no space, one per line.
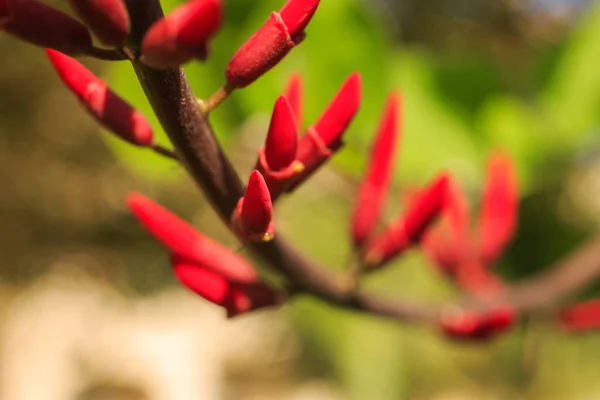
(190,132)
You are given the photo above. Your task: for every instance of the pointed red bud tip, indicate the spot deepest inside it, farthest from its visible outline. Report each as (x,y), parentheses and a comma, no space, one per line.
(182,35)
(282,139)
(110,110)
(296,15)
(425,208)
(294,95)
(108,19)
(236,298)
(581,317)
(340,112)
(478,326)
(253,217)
(184,241)
(44,26)
(374,187)
(499,209)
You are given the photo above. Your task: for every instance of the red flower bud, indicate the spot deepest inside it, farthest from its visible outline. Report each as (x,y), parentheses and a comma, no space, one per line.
(478,326)
(425,208)
(182,35)
(263,50)
(42,25)
(581,317)
(276,160)
(237,298)
(374,187)
(253,216)
(499,210)
(293,93)
(282,138)
(184,241)
(108,19)
(408,229)
(447,244)
(109,109)
(325,138)
(476,279)
(341,110)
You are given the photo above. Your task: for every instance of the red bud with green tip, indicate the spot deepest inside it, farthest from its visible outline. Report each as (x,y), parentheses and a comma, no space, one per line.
(293,93)
(44,26)
(374,187)
(499,209)
(106,107)
(108,19)
(269,45)
(253,216)
(183,34)
(183,240)
(237,298)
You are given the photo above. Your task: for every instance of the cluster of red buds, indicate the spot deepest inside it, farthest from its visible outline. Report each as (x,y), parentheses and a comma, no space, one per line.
(435,217)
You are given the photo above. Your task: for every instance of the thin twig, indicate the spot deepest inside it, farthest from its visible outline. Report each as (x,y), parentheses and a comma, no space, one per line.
(163,151)
(106,54)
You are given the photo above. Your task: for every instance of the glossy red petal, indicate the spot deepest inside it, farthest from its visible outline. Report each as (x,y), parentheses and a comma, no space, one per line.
(184,241)
(297,14)
(183,34)
(294,95)
(108,19)
(499,210)
(44,26)
(341,110)
(374,187)
(282,139)
(110,110)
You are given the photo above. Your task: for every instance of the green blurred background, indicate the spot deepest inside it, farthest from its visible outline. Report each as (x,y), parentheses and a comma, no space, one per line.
(475,75)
